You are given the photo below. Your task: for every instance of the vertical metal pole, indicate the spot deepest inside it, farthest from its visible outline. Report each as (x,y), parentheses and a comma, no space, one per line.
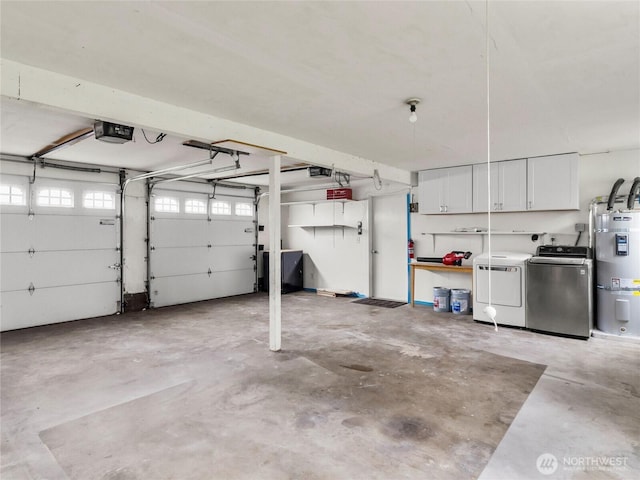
(148,201)
(275,259)
(256,223)
(372,227)
(123,188)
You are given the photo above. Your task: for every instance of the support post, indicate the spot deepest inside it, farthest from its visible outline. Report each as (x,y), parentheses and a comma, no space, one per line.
(275,258)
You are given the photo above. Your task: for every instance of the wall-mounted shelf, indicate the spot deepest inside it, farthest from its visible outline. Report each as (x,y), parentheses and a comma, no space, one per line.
(315,202)
(323,226)
(338,226)
(326,214)
(541,235)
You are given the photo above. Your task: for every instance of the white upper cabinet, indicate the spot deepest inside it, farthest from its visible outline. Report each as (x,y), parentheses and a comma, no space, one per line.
(508,186)
(446,190)
(540,183)
(553,182)
(430,186)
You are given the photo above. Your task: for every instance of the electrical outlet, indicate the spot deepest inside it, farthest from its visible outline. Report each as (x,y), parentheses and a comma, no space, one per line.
(580,227)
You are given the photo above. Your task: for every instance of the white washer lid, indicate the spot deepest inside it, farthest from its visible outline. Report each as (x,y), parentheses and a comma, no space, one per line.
(502,258)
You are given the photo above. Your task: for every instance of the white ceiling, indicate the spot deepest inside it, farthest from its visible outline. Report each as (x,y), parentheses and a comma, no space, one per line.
(565,76)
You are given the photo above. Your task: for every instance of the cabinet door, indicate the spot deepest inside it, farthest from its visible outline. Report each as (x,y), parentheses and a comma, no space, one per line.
(480,187)
(431,187)
(457,194)
(552,182)
(513,185)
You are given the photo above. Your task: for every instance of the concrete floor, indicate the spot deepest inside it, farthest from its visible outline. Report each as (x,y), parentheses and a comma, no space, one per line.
(358,392)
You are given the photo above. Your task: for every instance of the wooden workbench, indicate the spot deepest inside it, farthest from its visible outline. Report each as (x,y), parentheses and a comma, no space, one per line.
(434,267)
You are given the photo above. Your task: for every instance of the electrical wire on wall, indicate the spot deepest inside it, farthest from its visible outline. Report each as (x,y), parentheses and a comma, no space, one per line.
(489,310)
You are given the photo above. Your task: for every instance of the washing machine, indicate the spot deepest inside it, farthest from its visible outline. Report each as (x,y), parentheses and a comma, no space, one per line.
(508,274)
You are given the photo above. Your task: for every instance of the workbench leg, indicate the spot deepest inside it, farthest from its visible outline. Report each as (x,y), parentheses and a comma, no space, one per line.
(413,286)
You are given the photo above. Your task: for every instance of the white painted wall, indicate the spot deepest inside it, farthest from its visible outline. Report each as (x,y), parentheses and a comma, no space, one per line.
(598,172)
(334,258)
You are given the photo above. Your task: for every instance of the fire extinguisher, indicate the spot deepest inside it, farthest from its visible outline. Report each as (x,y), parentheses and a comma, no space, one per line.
(411,250)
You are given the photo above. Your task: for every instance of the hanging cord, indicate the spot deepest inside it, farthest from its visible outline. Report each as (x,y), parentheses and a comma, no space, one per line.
(158,139)
(489,310)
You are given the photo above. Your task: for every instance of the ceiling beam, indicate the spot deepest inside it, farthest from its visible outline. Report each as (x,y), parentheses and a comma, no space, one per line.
(91,100)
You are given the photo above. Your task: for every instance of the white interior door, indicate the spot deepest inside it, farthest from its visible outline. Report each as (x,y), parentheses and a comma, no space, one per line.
(201,247)
(59,250)
(389,247)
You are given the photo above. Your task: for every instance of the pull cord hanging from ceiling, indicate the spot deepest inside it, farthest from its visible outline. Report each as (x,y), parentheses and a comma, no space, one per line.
(489,310)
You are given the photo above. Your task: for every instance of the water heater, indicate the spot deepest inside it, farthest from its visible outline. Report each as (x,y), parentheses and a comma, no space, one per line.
(617,242)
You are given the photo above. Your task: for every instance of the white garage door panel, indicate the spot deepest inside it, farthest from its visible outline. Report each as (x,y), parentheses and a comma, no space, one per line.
(63,253)
(183,261)
(21,309)
(174,232)
(50,269)
(180,261)
(176,290)
(232,232)
(70,232)
(57,232)
(195,258)
(234,282)
(232,258)
(12,223)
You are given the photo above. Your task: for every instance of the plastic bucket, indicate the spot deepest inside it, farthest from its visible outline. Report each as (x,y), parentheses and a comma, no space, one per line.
(440,299)
(460,301)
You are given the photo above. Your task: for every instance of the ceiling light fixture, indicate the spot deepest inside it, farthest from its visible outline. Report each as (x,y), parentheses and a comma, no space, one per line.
(412,102)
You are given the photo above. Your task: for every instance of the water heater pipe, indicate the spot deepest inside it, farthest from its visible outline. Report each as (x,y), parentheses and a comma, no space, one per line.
(633,193)
(614,191)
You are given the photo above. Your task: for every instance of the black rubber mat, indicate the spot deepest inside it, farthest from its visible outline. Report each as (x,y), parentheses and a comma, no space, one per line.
(380,303)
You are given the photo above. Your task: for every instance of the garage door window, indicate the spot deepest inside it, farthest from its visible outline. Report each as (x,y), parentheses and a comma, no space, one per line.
(102,200)
(12,195)
(220,208)
(195,206)
(55,197)
(244,209)
(166,205)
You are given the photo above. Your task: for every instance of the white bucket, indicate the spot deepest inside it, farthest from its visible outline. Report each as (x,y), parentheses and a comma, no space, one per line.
(460,301)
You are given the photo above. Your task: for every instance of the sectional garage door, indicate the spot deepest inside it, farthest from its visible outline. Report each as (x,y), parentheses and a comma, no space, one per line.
(202,243)
(59,250)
